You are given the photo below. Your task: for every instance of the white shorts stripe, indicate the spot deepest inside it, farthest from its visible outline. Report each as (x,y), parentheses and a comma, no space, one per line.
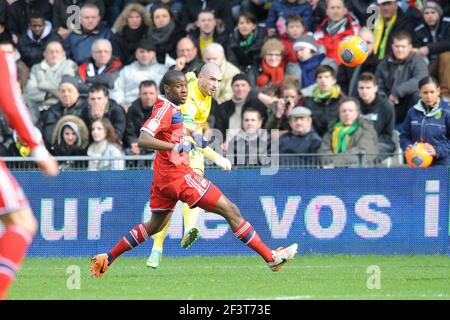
(9,263)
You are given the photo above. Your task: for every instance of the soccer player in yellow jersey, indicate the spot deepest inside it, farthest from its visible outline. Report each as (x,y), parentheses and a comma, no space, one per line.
(195,114)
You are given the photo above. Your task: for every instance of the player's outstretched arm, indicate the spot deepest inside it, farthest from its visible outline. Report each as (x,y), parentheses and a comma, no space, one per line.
(147,141)
(219,160)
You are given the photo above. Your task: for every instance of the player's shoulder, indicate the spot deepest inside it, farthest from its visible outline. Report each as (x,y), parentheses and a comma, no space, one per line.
(190,77)
(162,104)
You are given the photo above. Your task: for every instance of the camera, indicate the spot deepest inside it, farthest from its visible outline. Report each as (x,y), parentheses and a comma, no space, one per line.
(287,103)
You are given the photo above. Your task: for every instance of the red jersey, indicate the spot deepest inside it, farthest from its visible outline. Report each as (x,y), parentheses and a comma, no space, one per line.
(166,124)
(13,105)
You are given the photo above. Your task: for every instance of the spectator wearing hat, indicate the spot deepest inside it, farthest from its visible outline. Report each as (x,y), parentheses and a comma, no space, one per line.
(301,138)
(79,43)
(70,138)
(228,115)
(347,77)
(349,137)
(69,103)
(42,89)
(146,67)
(215,53)
(432,40)
(309,58)
(391,19)
(338,24)
(102,67)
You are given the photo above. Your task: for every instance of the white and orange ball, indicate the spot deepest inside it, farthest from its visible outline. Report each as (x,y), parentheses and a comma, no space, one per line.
(418,156)
(352,51)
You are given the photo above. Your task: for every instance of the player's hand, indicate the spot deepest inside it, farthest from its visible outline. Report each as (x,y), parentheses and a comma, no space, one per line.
(185,146)
(200,140)
(49,166)
(224,163)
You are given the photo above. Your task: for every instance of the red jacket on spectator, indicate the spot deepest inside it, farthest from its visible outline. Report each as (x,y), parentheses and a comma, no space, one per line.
(351,27)
(110,67)
(288,43)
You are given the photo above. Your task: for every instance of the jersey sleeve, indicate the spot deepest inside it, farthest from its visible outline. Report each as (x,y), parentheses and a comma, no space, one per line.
(160,119)
(189,108)
(13,105)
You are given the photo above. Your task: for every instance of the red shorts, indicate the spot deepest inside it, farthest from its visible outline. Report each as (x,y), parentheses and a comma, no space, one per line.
(191,188)
(12,197)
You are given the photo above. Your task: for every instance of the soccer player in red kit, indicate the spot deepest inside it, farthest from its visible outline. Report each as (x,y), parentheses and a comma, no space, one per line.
(174,180)
(15,212)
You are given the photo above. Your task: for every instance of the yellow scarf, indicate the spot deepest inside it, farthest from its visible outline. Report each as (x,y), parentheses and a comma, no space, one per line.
(340,137)
(382,37)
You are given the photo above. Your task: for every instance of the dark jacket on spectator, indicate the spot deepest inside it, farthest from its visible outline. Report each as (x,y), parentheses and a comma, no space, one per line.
(78,44)
(283,8)
(438,44)
(382,114)
(347,77)
(51,116)
(124,42)
(221,9)
(18,13)
(248,59)
(88,72)
(136,116)
(359,9)
(170,45)
(114,112)
(60,15)
(294,143)
(31,50)
(422,125)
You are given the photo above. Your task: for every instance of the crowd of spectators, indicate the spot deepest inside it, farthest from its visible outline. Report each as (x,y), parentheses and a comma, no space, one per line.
(90,72)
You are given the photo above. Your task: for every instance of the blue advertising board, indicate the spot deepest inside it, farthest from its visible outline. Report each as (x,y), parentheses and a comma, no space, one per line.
(338,211)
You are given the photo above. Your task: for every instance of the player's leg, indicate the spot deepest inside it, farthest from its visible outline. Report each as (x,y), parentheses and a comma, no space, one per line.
(155,256)
(20,228)
(136,236)
(215,201)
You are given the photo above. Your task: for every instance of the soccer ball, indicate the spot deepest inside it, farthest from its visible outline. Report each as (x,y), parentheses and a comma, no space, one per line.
(418,157)
(352,51)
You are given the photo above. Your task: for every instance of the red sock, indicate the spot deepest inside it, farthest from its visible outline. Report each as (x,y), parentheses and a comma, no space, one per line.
(248,235)
(13,247)
(135,237)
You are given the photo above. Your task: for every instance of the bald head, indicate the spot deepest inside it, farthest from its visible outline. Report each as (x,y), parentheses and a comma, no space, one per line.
(187,49)
(214,53)
(209,79)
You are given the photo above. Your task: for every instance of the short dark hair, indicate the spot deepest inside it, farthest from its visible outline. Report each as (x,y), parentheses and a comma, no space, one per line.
(402,35)
(96,87)
(169,78)
(252,109)
(247,15)
(368,77)
(294,18)
(206,10)
(325,68)
(351,99)
(161,6)
(147,83)
(428,80)
(36,15)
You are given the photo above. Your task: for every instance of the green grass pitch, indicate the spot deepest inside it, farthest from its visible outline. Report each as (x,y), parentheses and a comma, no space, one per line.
(306,277)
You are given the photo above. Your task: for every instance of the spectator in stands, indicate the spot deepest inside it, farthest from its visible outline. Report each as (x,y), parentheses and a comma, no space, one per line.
(273,65)
(187,57)
(102,67)
(221,8)
(23,72)
(398,75)
(338,24)
(5,35)
(281,9)
(309,58)
(100,106)
(41,91)
(79,43)
(259,8)
(347,77)
(294,30)
(429,121)
(131,26)
(207,31)
(140,110)
(69,103)
(6,138)
(64,20)
(323,99)
(350,136)
(391,19)
(289,99)
(165,34)
(319,12)
(432,40)
(215,53)
(301,138)
(70,138)
(105,144)
(175,5)
(244,45)
(360,8)
(251,144)
(33,42)
(146,67)
(377,109)
(228,115)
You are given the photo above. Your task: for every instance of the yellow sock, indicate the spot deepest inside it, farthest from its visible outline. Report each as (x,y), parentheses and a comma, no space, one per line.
(189,216)
(158,238)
